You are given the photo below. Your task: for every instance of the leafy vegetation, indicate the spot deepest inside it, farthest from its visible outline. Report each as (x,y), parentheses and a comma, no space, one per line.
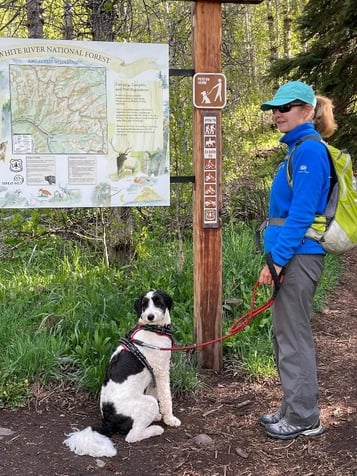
(69,277)
(63,310)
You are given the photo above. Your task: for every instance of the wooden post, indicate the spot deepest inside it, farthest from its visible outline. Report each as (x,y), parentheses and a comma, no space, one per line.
(207,240)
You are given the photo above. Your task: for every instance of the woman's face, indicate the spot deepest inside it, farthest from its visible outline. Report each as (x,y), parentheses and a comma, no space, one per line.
(289,116)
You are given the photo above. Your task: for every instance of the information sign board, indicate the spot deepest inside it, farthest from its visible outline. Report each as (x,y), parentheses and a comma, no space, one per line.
(83,124)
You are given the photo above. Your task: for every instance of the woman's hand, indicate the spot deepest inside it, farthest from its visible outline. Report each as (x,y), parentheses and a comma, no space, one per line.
(265,276)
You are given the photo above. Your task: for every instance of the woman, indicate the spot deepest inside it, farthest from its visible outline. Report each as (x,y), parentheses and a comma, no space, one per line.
(297,113)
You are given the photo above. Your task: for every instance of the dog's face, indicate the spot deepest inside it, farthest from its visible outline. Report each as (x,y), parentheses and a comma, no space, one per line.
(154,307)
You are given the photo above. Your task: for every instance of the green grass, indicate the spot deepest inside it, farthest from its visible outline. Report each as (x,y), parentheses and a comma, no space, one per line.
(62,310)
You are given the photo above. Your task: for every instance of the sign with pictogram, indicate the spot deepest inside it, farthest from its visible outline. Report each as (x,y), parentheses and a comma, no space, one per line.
(211,159)
(209,90)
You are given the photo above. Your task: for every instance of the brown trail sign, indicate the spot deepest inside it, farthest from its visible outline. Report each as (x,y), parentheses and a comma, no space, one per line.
(209,90)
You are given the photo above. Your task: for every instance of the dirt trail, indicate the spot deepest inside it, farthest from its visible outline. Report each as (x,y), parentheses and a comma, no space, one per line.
(226,409)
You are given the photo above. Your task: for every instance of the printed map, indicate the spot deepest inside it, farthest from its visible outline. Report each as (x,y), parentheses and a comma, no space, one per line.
(59,109)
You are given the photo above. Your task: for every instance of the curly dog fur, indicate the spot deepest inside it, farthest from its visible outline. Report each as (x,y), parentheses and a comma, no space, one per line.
(136,389)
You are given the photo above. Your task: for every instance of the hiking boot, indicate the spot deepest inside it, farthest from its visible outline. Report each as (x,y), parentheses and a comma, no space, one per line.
(270,418)
(284,431)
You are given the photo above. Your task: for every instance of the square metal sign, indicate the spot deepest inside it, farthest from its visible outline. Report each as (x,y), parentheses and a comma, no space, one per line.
(209,90)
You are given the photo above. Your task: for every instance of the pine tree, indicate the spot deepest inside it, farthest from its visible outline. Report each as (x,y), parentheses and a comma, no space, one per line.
(329,62)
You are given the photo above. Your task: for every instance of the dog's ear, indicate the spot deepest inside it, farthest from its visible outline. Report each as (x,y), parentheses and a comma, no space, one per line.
(137,305)
(167,300)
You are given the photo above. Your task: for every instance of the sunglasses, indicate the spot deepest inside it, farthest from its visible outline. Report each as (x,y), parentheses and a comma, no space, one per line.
(287,107)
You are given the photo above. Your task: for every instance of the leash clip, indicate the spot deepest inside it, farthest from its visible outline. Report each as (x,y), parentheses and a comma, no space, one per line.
(145,344)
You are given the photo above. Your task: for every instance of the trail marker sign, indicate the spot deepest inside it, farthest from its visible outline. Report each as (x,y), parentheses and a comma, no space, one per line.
(209,90)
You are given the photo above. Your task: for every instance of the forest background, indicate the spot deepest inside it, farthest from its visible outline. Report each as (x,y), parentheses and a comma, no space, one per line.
(69,276)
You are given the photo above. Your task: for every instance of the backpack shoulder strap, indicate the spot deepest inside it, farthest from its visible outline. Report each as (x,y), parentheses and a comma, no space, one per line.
(333,174)
(289,168)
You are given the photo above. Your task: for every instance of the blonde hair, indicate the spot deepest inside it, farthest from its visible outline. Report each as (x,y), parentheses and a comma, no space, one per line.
(324,120)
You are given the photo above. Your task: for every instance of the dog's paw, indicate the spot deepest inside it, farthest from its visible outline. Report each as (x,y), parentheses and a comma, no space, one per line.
(171,420)
(137,435)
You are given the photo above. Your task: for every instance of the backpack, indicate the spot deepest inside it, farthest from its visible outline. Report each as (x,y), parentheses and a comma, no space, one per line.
(336,229)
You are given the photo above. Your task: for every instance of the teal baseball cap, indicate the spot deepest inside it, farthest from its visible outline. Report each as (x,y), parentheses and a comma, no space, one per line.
(289,92)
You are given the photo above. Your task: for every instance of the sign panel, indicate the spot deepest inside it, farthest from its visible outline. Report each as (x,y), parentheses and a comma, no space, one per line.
(83,124)
(209,90)
(210,170)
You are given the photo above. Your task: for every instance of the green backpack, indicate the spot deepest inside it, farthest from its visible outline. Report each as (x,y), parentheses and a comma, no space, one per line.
(336,229)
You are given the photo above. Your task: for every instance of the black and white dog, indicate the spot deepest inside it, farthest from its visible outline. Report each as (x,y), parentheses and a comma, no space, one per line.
(136,389)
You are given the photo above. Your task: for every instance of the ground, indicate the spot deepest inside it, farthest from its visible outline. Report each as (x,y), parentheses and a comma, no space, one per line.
(225,409)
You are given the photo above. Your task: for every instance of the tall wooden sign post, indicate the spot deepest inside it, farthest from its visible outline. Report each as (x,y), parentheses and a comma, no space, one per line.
(209,99)
(207,240)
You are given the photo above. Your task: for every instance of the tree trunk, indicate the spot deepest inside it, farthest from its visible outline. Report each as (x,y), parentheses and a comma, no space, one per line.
(250,45)
(103,19)
(271,30)
(68,21)
(120,224)
(34,18)
(120,235)
(287,30)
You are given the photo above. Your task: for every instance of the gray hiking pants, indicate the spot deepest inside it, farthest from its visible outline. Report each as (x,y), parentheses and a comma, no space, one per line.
(293,340)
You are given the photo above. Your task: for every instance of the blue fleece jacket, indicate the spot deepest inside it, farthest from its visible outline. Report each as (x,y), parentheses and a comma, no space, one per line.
(298,203)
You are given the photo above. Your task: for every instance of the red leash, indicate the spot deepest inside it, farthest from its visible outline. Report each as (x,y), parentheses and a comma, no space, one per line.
(238,325)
